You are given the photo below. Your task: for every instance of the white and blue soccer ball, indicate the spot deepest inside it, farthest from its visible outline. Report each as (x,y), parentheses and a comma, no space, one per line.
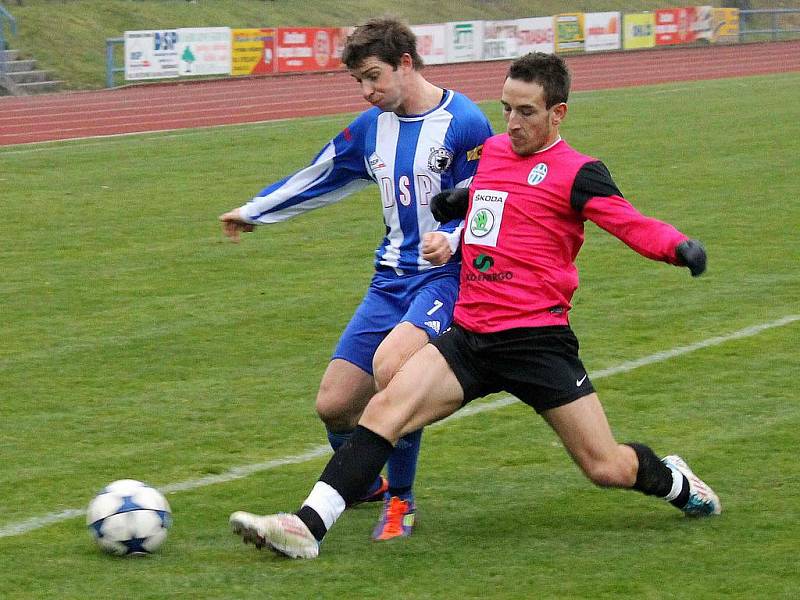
(129,517)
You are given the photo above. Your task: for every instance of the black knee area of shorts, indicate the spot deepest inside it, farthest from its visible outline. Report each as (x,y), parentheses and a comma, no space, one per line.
(356,464)
(653,478)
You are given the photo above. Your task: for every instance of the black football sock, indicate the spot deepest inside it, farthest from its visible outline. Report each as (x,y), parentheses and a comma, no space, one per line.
(683,497)
(356,464)
(351,470)
(653,478)
(313,521)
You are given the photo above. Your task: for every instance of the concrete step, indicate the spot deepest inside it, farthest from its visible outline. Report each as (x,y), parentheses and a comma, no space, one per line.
(21,77)
(13,66)
(9,54)
(28,76)
(40,87)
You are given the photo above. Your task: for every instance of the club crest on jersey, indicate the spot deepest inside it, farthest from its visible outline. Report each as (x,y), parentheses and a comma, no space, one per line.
(440,160)
(376,163)
(475,153)
(482,222)
(537,174)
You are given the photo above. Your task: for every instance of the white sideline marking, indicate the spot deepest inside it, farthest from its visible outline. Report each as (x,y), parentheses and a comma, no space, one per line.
(241,472)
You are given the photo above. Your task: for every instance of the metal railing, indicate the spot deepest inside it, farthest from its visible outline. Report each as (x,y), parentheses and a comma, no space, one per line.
(111,69)
(754,24)
(5,17)
(768,23)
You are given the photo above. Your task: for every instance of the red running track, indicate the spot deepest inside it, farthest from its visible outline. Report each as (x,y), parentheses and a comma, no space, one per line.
(158,107)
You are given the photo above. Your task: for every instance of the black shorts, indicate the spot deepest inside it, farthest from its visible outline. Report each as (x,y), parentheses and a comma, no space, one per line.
(538,365)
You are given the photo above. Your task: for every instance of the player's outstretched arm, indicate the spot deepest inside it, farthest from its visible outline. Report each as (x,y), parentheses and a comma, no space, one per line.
(448,205)
(233,224)
(692,254)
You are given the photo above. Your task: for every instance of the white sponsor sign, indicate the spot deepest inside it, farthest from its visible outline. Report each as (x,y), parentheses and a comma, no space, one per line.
(703,26)
(603,31)
(151,54)
(204,51)
(535,35)
(499,40)
(464,41)
(431,43)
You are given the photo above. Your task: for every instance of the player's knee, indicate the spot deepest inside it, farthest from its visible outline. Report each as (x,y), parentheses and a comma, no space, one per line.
(333,412)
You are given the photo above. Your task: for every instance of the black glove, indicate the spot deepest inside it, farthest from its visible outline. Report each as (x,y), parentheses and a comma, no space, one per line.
(450,204)
(692,254)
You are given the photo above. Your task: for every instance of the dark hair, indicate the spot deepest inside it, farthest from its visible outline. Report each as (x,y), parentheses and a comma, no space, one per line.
(385,38)
(548,70)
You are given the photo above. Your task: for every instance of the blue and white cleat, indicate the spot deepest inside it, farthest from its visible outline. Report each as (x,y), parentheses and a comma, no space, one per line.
(703,502)
(283,533)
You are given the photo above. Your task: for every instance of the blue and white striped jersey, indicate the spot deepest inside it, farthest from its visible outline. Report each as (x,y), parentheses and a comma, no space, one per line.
(411,158)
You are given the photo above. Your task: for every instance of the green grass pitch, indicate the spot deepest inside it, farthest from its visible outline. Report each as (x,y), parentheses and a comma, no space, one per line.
(137,342)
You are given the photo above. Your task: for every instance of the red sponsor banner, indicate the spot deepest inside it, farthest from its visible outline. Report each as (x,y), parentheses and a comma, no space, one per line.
(310,48)
(675,26)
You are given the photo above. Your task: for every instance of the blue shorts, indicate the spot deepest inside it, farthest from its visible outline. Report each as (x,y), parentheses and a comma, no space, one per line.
(426,300)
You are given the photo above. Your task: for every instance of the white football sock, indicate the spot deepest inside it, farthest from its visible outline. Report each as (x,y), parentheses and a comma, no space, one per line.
(326,502)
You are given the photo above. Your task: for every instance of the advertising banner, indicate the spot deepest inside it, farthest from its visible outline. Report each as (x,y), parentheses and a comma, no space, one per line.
(603,31)
(310,48)
(535,35)
(151,54)
(431,43)
(204,50)
(726,25)
(253,51)
(701,23)
(569,32)
(464,41)
(673,26)
(499,40)
(639,31)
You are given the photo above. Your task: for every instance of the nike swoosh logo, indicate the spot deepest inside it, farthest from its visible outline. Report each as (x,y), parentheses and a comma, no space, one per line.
(579,382)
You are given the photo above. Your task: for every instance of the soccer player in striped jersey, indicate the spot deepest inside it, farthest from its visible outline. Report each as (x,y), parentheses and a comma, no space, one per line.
(415,141)
(525,210)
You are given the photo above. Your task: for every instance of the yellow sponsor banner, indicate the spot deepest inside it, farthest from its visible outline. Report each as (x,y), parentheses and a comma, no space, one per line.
(726,25)
(570,36)
(639,30)
(252,51)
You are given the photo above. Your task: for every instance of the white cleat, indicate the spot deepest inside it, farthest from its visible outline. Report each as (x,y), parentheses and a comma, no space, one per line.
(283,533)
(703,502)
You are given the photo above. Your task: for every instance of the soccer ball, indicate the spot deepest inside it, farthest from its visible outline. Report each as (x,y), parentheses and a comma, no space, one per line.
(129,517)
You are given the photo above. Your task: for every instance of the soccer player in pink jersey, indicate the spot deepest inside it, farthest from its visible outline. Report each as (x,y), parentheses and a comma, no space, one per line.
(525,211)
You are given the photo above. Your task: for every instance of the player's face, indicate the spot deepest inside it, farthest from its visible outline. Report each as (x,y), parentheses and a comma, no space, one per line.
(381,84)
(531,126)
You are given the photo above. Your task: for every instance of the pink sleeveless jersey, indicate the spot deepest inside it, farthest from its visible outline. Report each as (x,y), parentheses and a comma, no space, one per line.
(524,229)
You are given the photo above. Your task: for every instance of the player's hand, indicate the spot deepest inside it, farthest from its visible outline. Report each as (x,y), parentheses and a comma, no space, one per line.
(233,224)
(436,248)
(692,254)
(450,204)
